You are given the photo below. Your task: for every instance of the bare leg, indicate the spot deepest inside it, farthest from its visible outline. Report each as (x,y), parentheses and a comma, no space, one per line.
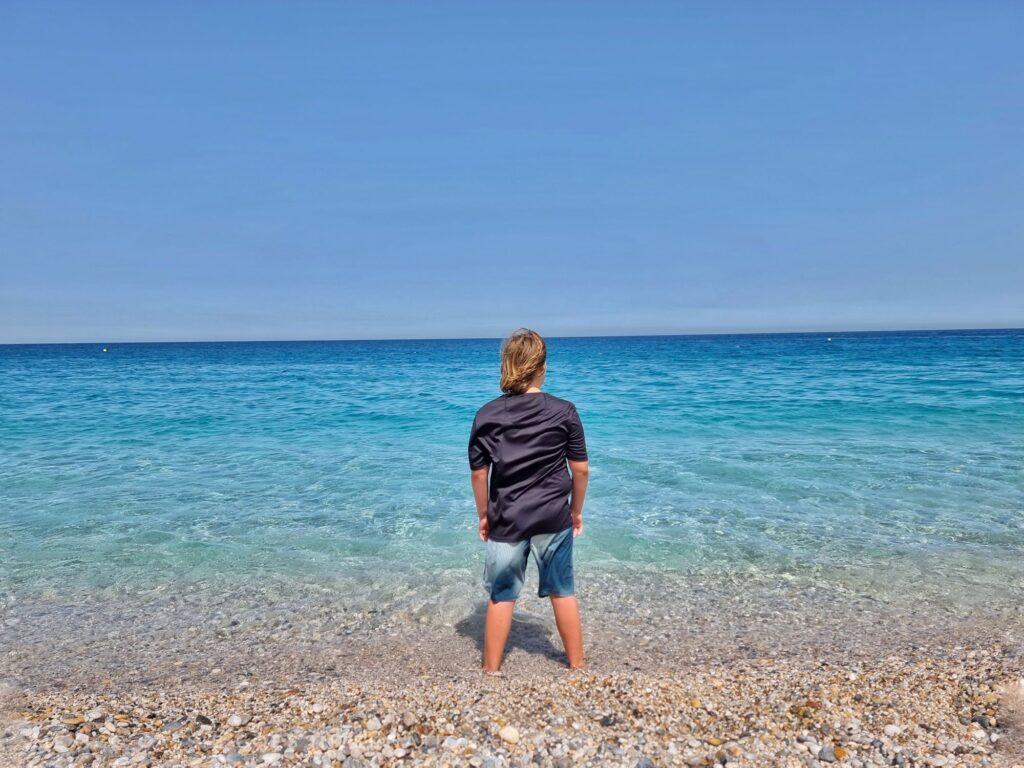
(567,617)
(499,622)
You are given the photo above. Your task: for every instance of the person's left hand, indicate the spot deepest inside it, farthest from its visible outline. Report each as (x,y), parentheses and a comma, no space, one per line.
(485,529)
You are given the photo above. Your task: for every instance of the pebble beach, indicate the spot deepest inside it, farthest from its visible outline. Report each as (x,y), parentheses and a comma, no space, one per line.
(767,678)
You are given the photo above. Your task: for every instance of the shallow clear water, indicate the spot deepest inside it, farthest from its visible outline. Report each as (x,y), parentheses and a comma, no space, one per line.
(887,464)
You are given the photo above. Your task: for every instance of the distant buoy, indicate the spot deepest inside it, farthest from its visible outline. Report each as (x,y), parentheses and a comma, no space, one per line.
(105,349)
(829,339)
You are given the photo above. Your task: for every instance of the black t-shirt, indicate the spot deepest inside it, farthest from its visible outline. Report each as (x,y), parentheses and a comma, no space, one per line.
(526,439)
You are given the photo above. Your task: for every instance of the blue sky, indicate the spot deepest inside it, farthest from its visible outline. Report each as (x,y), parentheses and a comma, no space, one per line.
(232,170)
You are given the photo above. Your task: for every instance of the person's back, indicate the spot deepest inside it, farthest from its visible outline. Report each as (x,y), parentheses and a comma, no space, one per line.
(527,439)
(522,448)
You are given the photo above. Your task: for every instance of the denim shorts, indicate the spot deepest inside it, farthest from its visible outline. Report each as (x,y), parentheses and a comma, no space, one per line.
(505,566)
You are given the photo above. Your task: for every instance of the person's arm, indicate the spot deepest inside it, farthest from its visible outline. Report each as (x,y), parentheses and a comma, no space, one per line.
(580,471)
(579,467)
(479,467)
(478,477)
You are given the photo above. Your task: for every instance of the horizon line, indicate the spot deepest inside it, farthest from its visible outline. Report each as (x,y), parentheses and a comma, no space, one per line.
(493,338)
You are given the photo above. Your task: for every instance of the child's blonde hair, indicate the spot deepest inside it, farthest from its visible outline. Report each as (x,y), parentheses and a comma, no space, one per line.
(522,357)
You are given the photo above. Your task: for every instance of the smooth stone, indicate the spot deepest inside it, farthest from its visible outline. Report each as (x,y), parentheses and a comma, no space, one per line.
(645,762)
(509,734)
(827,755)
(374,724)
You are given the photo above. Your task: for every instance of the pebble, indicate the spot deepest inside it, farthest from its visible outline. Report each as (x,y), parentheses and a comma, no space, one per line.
(374,724)
(509,734)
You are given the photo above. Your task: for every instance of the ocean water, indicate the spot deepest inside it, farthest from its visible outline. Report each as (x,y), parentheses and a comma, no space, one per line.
(884,464)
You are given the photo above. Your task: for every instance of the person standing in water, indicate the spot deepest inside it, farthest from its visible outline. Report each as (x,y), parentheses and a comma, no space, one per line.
(529,469)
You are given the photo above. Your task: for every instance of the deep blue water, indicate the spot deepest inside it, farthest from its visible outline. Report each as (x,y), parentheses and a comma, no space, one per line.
(885,462)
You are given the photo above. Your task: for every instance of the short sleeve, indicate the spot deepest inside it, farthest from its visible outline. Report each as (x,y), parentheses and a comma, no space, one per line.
(478,454)
(576,447)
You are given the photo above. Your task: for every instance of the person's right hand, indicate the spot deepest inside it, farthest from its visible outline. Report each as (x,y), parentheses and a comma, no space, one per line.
(577,524)
(485,529)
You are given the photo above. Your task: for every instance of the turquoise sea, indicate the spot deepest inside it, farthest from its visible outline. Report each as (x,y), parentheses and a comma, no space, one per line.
(887,464)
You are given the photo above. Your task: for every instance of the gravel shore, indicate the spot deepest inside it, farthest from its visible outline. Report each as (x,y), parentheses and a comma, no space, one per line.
(759,680)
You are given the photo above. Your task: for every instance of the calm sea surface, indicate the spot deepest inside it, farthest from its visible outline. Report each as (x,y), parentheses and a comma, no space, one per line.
(888,464)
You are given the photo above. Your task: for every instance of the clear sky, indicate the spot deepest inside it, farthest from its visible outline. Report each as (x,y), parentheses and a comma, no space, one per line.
(246,170)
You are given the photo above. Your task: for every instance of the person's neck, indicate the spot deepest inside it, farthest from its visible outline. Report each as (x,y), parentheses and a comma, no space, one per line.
(530,390)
